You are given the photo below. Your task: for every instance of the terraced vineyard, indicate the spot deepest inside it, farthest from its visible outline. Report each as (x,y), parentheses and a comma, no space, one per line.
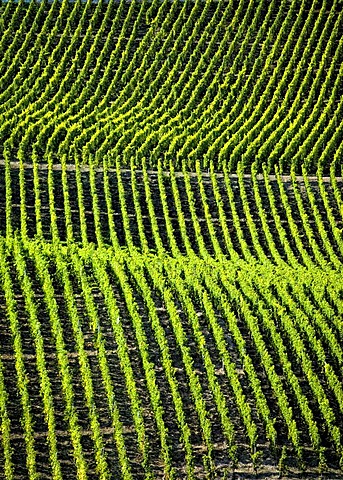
(171,248)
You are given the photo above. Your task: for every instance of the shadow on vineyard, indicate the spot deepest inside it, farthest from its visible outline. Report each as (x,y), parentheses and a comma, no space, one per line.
(171,239)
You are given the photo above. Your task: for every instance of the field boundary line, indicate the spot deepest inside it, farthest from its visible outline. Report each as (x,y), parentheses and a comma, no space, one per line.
(85,168)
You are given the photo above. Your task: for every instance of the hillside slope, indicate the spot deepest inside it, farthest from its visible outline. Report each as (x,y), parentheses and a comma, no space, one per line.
(219,82)
(171,240)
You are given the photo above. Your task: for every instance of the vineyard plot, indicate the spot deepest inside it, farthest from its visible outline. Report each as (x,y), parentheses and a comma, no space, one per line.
(215,215)
(202,356)
(185,82)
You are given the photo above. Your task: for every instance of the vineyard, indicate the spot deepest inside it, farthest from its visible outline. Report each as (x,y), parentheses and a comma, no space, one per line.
(171,239)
